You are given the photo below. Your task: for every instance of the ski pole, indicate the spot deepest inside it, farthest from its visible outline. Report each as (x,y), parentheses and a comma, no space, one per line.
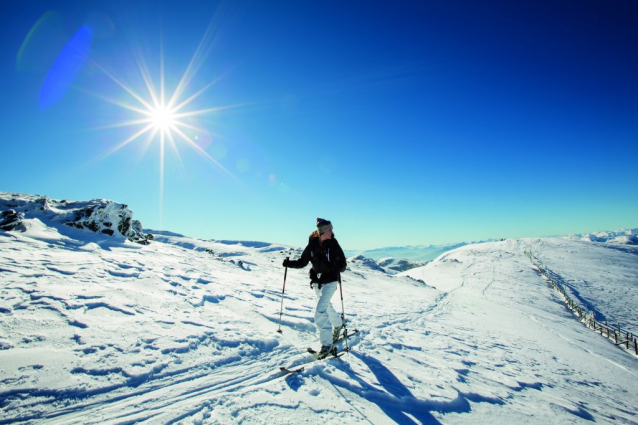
(281,310)
(343,315)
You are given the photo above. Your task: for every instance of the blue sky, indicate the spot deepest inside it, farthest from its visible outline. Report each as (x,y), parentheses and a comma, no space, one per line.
(409,122)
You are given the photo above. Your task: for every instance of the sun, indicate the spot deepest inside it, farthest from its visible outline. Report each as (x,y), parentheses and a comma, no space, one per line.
(162,118)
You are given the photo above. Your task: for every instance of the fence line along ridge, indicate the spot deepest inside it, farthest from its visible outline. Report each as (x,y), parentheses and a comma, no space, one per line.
(621,338)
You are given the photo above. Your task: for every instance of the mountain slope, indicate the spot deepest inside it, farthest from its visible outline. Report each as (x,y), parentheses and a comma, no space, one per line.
(96,329)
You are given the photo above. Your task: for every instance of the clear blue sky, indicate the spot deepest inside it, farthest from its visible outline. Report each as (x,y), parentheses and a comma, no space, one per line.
(404,122)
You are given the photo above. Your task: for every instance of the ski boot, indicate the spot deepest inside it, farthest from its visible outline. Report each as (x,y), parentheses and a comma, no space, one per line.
(326,350)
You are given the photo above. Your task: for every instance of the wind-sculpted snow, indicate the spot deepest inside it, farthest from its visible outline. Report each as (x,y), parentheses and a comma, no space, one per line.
(184,331)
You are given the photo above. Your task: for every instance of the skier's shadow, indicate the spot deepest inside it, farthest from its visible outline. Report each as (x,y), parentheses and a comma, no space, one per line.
(396,400)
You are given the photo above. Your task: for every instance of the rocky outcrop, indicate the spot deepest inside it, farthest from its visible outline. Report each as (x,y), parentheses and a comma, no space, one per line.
(109,218)
(10,219)
(97,215)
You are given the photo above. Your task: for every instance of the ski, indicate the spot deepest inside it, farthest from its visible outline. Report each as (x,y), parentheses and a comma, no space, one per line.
(331,355)
(337,341)
(289,371)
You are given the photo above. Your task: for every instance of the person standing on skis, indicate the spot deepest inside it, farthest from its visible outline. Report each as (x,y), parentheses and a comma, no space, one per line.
(328,262)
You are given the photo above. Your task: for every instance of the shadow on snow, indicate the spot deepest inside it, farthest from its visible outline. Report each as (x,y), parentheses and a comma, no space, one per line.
(396,400)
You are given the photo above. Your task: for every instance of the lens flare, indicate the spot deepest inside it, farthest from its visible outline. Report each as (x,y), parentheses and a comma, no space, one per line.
(66,68)
(42,44)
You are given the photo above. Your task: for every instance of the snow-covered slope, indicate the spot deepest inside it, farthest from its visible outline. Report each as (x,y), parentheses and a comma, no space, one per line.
(182,330)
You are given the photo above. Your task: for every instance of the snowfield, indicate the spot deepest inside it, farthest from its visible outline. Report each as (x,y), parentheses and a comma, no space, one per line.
(99,329)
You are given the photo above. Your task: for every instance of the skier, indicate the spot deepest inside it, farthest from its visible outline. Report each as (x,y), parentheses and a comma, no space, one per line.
(328,262)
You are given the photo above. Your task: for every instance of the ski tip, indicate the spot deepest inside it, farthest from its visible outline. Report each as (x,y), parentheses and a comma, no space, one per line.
(286,371)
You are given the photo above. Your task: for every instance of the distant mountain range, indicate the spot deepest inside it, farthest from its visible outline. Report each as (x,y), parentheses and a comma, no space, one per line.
(425,253)
(624,236)
(421,253)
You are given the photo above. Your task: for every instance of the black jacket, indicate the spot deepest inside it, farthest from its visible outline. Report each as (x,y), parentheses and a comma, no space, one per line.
(327,258)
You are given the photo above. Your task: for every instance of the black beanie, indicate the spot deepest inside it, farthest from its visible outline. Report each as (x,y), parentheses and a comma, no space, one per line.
(323,225)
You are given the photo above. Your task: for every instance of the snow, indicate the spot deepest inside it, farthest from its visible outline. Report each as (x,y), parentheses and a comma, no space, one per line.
(421,253)
(397,265)
(99,329)
(624,236)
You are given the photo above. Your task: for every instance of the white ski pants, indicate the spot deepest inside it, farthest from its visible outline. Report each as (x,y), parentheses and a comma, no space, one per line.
(325,315)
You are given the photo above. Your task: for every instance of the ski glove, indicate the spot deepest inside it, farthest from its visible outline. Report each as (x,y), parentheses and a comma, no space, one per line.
(286,263)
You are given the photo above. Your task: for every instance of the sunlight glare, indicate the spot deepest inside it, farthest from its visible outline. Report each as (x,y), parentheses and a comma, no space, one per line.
(162,118)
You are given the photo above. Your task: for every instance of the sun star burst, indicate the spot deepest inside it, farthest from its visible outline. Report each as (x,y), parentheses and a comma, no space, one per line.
(161,119)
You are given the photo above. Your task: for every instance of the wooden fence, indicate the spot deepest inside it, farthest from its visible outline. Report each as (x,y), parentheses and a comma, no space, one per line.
(620,337)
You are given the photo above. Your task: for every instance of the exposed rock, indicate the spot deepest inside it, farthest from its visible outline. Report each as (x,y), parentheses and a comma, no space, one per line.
(97,215)
(10,219)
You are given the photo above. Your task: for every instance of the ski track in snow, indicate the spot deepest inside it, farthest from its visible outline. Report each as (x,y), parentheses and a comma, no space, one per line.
(171,333)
